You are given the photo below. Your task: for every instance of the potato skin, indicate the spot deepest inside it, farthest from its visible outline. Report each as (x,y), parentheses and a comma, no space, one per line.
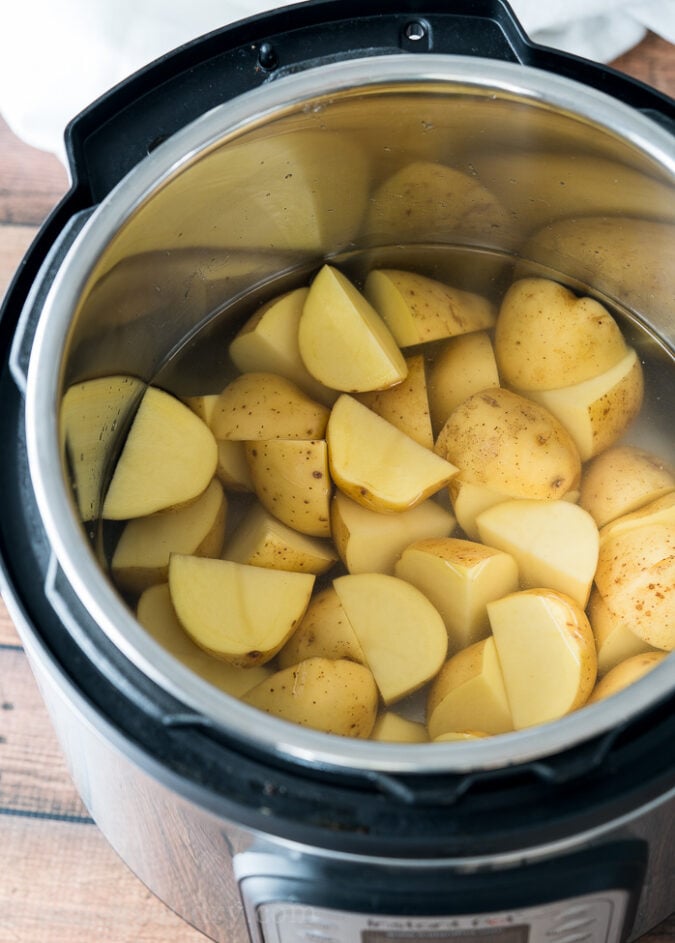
(505,442)
(338,697)
(623,479)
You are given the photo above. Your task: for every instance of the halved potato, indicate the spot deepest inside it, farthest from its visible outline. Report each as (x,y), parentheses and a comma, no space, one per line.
(660,511)
(418,309)
(546,652)
(392,728)
(546,337)
(203,406)
(376,464)
(469,500)
(636,578)
(291,479)
(598,411)
(405,405)
(343,341)
(626,672)
(141,556)
(338,697)
(242,614)
(506,443)
(464,365)
(402,635)
(459,577)
(232,468)
(268,343)
(622,479)
(92,414)
(267,406)
(324,632)
(168,458)
(469,694)
(369,542)
(155,612)
(614,639)
(260,539)
(554,543)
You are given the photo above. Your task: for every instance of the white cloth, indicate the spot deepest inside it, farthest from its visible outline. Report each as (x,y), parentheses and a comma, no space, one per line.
(57,56)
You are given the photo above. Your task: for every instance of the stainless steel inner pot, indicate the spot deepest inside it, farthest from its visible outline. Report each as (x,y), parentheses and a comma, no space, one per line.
(256,194)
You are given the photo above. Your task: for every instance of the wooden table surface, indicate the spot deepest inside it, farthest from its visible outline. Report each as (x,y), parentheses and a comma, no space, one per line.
(60,882)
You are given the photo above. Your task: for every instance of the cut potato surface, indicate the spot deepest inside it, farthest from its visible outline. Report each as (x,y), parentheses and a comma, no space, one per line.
(401,634)
(344,343)
(168,458)
(405,405)
(418,309)
(261,539)
(141,556)
(292,481)
(337,697)
(369,542)
(376,464)
(155,613)
(623,479)
(554,543)
(546,653)
(392,728)
(92,414)
(598,411)
(243,614)
(267,406)
(660,511)
(324,631)
(469,693)
(614,639)
(459,577)
(506,443)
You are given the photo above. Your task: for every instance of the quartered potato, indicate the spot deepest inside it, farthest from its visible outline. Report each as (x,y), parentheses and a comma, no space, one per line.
(492,574)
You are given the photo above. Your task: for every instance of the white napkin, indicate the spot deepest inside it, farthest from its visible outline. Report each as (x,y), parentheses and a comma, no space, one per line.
(57,57)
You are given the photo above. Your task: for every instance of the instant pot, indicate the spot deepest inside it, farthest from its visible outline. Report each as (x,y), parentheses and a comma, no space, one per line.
(223,173)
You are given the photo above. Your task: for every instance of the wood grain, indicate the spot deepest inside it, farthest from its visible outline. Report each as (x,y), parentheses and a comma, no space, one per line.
(60,882)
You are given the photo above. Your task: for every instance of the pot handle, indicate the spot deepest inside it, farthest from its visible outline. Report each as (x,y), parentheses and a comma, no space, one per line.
(114,134)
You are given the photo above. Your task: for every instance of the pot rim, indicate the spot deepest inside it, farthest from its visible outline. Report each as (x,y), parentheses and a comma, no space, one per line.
(43,391)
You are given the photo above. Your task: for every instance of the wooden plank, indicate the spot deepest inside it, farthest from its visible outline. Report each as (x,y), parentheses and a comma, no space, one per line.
(14,240)
(33,774)
(31,181)
(652,61)
(8,635)
(62,883)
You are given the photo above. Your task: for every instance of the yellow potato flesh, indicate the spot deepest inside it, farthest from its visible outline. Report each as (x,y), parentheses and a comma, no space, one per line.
(156,614)
(402,635)
(623,479)
(344,343)
(546,337)
(502,441)
(292,481)
(405,405)
(338,697)
(469,500)
(636,578)
(324,631)
(376,464)
(369,542)
(554,543)
(141,556)
(598,411)
(459,577)
(392,728)
(660,511)
(232,468)
(260,539)
(267,406)
(464,365)
(547,654)
(92,414)
(169,458)
(418,309)
(469,694)
(243,614)
(268,343)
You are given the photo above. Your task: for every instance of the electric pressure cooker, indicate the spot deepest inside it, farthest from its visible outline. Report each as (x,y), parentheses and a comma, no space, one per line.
(206,183)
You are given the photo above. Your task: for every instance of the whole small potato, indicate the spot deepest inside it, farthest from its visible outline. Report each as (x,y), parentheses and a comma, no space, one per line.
(504,442)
